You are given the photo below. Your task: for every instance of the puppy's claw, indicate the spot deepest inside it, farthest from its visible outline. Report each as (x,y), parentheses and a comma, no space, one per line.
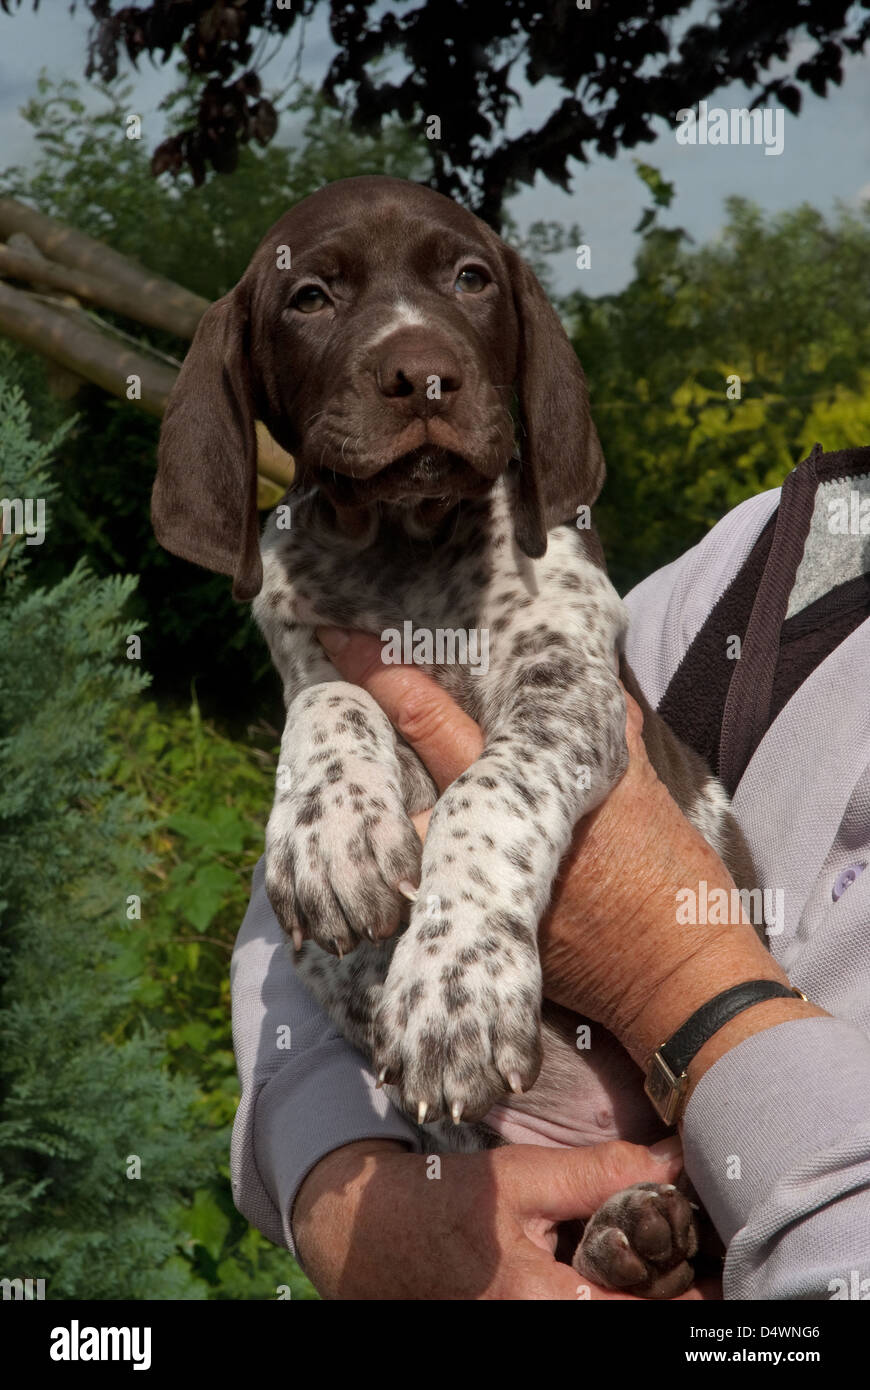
(297,938)
(515,1083)
(382,1076)
(422,1111)
(456,1112)
(407,890)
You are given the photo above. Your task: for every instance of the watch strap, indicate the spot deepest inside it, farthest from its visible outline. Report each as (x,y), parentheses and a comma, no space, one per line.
(667,1077)
(681,1047)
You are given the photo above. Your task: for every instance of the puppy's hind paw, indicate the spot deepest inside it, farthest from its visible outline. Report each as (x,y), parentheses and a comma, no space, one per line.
(640,1241)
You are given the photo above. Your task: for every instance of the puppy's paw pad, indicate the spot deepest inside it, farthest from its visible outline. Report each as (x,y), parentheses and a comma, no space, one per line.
(641,1241)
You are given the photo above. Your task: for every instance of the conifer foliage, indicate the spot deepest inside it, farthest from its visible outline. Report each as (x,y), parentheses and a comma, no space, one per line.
(94,1158)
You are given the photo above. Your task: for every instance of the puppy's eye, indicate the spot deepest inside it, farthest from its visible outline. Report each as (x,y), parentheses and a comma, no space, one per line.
(471,280)
(310,299)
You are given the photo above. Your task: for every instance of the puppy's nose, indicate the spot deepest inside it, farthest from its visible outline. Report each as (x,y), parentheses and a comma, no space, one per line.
(418,376)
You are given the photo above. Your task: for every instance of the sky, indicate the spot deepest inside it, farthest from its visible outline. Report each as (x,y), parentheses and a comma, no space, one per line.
(826,154)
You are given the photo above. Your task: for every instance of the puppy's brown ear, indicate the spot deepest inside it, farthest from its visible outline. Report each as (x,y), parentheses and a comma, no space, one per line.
(562,465)
(204,503)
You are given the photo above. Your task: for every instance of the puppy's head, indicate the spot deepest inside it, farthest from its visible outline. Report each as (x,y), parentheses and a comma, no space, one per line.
(381,333)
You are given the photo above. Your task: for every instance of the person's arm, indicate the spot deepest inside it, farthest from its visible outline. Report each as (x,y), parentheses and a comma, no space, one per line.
(304,1090)
(378,1224)
(776,1132)
(792,1085)
(322,1163)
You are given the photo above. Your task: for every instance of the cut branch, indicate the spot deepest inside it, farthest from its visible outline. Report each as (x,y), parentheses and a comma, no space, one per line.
(82,349)
(63,332)
(97,289)
(138,292)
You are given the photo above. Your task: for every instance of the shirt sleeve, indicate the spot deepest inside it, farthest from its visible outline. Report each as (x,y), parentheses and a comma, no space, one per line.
(776,1140)
(304,1090)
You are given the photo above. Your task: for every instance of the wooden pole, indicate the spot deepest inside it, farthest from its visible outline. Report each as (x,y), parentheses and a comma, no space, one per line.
(76,264)
(150,298)
(133,304)
(84,350)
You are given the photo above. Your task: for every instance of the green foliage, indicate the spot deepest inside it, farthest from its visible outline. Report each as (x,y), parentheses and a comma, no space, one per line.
(207,797)
(662,193)
(783,303)
(98,181)
(77,1103)
(114,1033)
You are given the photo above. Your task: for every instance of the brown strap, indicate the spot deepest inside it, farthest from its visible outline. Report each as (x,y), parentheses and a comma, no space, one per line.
(747,705)
(721,707)
(694,702)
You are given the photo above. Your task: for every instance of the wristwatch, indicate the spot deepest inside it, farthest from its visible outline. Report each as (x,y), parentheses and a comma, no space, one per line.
(667,1077)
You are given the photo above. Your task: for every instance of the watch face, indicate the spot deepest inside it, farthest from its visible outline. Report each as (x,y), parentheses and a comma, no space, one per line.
(664,1089)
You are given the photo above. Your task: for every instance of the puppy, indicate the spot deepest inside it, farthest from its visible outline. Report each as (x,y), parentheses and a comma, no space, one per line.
(385,335)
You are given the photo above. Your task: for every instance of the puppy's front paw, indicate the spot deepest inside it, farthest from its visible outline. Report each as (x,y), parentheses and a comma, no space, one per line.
(335,856)
(452,1038)
(640,1241)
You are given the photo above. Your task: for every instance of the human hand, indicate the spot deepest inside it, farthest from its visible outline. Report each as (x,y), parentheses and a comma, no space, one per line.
(370,1222)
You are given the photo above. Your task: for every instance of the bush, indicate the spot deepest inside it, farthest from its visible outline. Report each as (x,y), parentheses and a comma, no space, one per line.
(81,1107)
(779,302)
(114,1137)
(207,799)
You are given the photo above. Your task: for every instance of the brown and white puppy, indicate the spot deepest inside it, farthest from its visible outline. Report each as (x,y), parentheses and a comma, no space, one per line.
(388,358)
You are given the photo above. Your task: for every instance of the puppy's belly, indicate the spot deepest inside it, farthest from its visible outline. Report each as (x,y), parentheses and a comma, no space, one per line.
(581,1096)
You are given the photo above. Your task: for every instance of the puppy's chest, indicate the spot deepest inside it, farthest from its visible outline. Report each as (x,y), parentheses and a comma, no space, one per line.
(463,606)
(395,576)
(385,593)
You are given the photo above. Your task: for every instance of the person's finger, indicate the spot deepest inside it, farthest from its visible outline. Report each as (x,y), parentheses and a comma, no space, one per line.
(421,822)
(562,1185)
(574,1184)
(446,739)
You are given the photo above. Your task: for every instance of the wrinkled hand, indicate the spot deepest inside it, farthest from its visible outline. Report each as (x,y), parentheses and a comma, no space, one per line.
(371,1223)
